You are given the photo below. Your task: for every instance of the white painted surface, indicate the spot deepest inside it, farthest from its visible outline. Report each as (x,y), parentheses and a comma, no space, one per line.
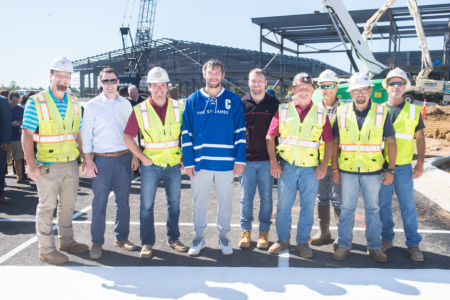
(221,283)
(283,259)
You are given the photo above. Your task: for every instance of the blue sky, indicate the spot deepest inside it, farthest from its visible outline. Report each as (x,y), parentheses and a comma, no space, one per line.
(34,32)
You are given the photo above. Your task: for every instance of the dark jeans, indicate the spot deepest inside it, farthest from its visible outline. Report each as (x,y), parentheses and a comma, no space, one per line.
(115,173)
(2,171)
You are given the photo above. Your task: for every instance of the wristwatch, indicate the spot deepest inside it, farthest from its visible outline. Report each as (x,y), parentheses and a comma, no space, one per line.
(391,171)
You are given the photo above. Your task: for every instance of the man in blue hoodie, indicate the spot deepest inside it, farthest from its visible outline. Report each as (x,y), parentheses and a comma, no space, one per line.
(214,145)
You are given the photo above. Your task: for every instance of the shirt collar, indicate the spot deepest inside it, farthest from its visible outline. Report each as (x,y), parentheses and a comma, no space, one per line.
(56,99)
(204,93)
(103,97)
(336,104)
(267,97)
(308,107)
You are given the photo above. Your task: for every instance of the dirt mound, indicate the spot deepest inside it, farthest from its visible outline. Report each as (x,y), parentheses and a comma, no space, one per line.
(434,111)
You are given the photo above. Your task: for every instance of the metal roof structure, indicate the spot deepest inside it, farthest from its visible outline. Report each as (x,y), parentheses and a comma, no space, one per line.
(183,59)
(317,28)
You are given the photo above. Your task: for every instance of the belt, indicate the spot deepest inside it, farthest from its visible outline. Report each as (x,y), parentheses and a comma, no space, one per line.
(112,154)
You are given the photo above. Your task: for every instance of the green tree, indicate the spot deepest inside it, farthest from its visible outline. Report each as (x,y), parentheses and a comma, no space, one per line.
(13,86)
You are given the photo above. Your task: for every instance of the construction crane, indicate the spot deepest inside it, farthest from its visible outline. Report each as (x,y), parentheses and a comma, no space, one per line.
(146,23)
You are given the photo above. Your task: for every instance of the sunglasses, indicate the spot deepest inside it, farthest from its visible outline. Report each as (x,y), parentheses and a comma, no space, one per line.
(364,91)
(330,86)
(398,83)
(107,81)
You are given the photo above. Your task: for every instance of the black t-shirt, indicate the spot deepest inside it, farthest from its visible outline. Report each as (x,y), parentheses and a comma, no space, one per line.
(395,111)
(257,121)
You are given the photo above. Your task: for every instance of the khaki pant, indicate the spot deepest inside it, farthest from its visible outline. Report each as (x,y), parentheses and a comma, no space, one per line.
(61,181)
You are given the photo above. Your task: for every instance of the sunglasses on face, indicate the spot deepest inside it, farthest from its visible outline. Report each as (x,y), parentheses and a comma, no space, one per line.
(364,91)
(107,81)
(398,83)
(330,86)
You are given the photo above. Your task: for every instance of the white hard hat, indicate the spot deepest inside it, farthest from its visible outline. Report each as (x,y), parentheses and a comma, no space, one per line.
(327,76)
(397,72)
(359,80)
(61,63)
(157,74)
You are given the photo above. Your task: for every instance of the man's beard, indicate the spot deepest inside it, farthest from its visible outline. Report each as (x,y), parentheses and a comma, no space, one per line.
(61,88)
(257,91)
(361,101)
(213,86)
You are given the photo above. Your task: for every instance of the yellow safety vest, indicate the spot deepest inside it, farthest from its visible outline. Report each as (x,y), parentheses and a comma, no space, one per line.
(299,141)
(405,129)
(161,142)
(56,140)
(322,144)
(361,151)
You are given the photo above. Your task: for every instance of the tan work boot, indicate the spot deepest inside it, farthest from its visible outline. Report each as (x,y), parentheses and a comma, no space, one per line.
(278,247)
(378,255)
(416,254)
(263,241)
(74,247)
(386,245)
(337,213)
(177,245)
(146,251)
(96,251)
(245,239)
(125,245)
(305,251)
(54,257)
(341,253)
(323,214)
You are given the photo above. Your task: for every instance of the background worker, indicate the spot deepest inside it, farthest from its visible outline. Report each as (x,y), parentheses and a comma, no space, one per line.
(15,148)
(53,119)
(300,125)
(105,119)
(159,119)
(259,108)
(5,140)
(173,93)
(328,191)
(123,92)
(134,97)
(361,130)
(213,150)
(408,123)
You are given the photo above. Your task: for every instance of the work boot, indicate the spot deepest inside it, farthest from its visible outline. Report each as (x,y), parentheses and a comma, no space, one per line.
(305,251)
(278,247)
(125,245)
(74,247)
(178,245)
(245,239)
(323,214)
(337,213)
(416,254)
(378,255)
(54,257)
(96,251)
(386,245)
(341,253)
(146,251)
(263,242)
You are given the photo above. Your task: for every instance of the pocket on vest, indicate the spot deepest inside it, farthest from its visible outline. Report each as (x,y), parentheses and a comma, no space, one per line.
(48,127)
(175,129)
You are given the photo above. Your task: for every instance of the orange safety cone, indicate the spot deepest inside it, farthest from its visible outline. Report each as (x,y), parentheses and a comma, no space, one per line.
(424,106)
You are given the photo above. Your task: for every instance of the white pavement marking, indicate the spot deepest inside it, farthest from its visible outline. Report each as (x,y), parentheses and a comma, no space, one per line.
(34,239)
(199,283)
(283,259)
(213,225)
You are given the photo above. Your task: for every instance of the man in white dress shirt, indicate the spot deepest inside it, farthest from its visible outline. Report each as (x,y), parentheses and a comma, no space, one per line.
(105,118)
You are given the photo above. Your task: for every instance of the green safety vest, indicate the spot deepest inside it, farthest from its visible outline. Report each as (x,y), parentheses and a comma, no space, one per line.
(299,141)
(56,140)
(361,151)
(161,142)
(405,127)
(322,144)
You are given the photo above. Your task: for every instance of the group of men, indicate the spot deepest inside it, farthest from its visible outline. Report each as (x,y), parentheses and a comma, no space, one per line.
(328,152)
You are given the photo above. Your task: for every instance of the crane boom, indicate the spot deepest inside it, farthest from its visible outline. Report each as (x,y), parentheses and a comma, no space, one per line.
(374,19)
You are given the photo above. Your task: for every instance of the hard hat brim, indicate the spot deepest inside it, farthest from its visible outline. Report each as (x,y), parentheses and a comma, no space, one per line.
(357,86)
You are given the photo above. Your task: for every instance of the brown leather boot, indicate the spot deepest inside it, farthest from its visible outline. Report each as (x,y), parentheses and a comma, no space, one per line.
(378,255)
(323,214)
(337,213)
(245,239)
(263,241)
(54,257)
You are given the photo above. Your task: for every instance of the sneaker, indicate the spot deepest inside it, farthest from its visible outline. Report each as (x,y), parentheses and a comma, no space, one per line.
(245,239)
(416,254)
(224,244)
(198,244)
(177,245)
(278,247)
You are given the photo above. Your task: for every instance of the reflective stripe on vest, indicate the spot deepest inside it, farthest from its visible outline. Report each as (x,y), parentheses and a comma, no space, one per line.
(301,143)
(144,114)
(74,103)
(284,112)
(176,110)
(319,115)
(159,145)
(52,139)
(46,111)
(402,136)
(344,111)
(379,113)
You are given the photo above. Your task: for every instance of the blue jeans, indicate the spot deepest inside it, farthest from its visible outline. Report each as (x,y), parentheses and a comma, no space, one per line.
(292,179)
(404,187)
(370,186)
(256,173)
(115,173)
(150,177)
(2,171)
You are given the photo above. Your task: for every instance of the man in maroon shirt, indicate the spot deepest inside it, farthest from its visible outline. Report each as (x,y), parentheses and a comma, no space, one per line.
(259,108)
(300,124)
